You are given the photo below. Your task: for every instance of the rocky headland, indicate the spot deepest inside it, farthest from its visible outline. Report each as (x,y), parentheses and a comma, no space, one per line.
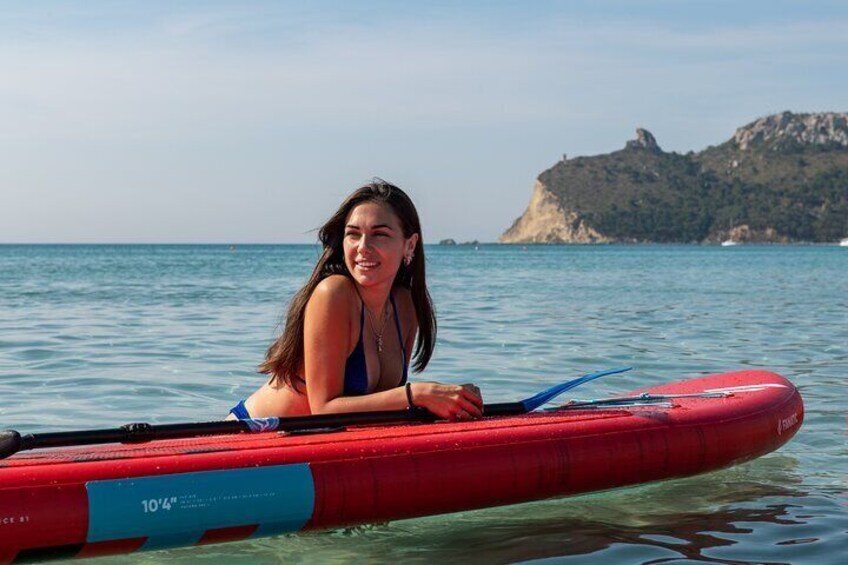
(782,178)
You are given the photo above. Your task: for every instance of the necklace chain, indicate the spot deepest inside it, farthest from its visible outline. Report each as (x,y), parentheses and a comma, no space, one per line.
(378,334)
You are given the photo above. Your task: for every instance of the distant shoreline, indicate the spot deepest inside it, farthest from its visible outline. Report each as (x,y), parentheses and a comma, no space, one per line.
(445,246)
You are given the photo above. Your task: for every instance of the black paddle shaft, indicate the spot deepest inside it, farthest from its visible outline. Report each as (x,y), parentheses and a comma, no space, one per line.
(12,442)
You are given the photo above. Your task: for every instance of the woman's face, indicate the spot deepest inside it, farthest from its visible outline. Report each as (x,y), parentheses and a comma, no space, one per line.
(374,244)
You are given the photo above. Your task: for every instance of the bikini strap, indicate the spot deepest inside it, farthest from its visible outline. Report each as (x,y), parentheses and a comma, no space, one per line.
(361,312)
(361,322)
(397,322)
(400,338)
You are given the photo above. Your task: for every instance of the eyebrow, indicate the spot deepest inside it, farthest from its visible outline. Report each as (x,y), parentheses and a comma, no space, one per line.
(378,226)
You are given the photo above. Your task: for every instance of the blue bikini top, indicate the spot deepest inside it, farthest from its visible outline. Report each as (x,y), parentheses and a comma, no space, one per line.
(356,370)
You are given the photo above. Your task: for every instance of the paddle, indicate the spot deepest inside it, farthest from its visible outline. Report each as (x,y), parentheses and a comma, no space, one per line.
(12,442)
(644,399)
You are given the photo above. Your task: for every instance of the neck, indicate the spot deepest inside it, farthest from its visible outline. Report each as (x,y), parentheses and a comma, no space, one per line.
(375,297)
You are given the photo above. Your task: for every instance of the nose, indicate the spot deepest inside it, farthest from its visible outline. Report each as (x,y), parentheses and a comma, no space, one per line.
(364,242)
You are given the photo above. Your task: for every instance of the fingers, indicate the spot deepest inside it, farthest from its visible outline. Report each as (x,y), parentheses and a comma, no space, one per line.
(476,410)
(471,393)
(455,402)
(469,406)
(465,411)
(461,415)
(461,410)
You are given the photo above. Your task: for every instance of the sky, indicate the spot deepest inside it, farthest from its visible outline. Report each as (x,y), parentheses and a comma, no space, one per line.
(249,122)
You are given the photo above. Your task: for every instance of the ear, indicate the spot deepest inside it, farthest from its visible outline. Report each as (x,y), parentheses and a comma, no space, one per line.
(411,243)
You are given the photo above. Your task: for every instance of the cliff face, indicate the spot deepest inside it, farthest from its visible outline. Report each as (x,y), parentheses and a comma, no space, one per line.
(780,178)
(823,129)
(546,221)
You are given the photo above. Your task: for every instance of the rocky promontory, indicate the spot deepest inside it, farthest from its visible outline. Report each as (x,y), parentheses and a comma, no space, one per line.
(781,178)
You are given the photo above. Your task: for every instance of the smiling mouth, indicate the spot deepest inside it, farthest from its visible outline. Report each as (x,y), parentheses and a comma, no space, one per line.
(367,264)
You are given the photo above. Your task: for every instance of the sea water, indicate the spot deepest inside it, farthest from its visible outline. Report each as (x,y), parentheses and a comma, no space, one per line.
(98,336)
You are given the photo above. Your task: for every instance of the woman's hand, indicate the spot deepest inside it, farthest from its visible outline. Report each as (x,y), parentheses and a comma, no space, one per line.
(451,402)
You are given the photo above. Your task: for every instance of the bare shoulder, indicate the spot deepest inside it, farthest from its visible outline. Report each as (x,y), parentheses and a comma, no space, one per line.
(336,284)
(335,291)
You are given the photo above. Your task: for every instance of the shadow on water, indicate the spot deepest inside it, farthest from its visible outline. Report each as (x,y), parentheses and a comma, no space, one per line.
(686,519)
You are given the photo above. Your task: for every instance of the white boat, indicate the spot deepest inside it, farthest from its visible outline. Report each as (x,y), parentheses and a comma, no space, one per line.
(844,242)
(729,243)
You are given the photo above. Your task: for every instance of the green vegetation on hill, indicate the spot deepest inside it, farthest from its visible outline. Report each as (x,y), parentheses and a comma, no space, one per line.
(782,189)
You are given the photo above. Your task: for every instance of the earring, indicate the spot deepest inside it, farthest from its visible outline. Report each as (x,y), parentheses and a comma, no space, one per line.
(408,259)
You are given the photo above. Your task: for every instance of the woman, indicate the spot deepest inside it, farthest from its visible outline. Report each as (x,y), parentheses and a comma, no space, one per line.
(350,330)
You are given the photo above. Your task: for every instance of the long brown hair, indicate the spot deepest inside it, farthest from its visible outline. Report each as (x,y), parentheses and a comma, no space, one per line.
(284,358)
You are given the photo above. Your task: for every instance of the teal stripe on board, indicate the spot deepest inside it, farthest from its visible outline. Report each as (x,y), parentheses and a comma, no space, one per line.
(175,510)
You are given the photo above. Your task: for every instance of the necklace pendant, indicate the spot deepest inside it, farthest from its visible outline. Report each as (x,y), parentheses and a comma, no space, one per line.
(379,344)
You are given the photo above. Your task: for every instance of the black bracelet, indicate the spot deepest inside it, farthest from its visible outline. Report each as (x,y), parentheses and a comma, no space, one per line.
(409,396)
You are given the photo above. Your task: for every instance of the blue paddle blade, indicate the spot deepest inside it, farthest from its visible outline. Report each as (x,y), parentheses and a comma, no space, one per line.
(534,402)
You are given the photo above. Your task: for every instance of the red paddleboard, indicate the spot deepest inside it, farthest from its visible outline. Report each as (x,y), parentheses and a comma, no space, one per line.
(88,501)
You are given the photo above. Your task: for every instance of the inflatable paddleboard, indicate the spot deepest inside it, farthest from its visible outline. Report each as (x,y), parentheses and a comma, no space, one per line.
(111,499)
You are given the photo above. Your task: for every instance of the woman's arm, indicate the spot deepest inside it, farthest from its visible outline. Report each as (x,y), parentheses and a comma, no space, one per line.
(327,339)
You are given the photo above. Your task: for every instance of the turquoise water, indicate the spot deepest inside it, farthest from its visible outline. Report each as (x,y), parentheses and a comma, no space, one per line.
(94,336)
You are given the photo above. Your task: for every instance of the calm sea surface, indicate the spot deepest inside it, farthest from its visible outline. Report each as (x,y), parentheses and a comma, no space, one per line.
(94,336)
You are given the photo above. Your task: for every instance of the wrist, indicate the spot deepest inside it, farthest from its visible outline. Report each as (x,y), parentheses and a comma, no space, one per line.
(410,401)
